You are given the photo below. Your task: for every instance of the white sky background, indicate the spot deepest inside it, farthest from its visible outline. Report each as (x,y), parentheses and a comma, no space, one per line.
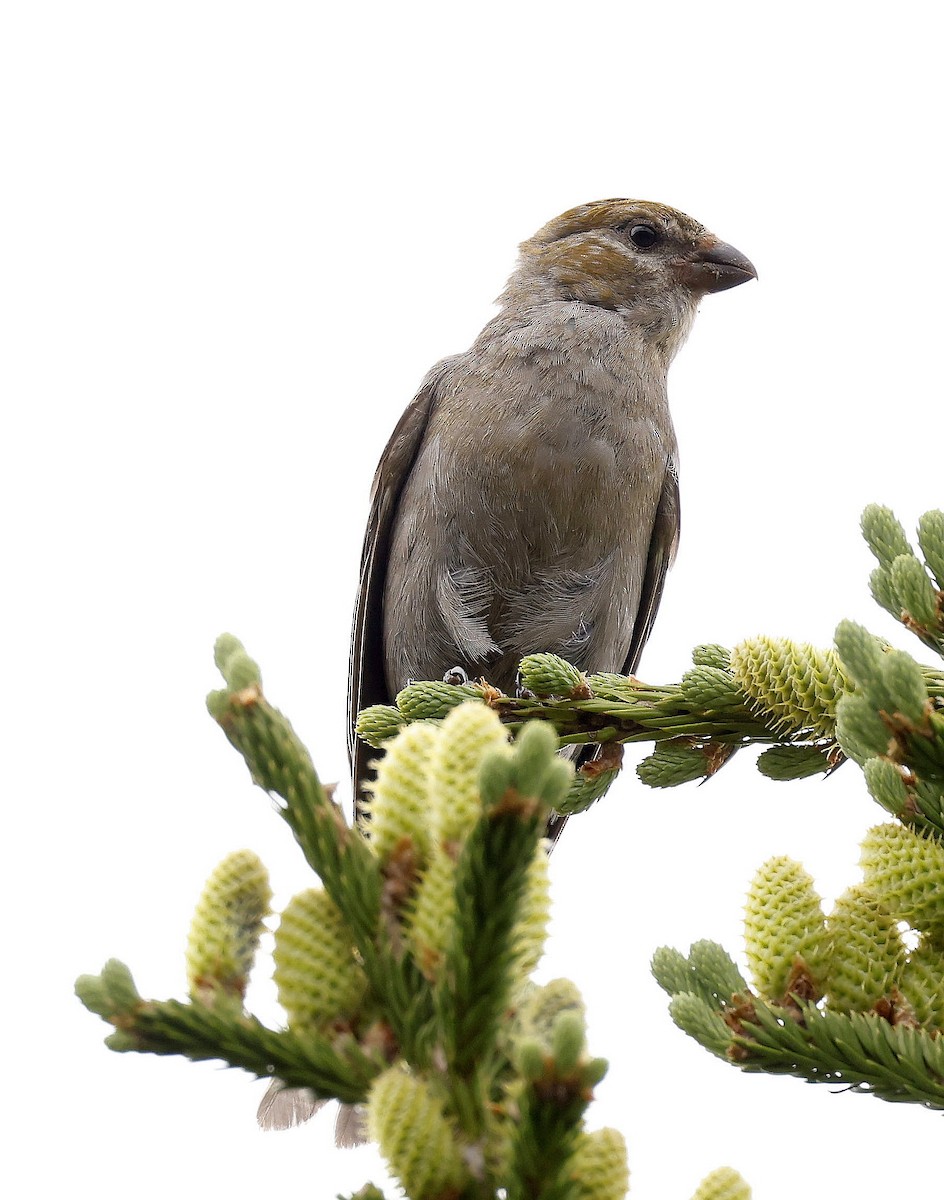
(236,236)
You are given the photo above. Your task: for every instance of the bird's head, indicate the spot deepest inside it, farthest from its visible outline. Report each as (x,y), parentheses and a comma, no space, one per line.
(646,261)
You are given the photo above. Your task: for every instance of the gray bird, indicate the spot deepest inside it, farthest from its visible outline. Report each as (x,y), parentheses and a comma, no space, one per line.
(528,498)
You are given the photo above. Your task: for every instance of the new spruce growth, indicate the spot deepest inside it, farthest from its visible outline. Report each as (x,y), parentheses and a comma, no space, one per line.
(404,976)
(226,928)
(849,998)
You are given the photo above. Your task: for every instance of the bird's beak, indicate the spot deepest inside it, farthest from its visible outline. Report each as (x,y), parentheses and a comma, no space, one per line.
(715,266)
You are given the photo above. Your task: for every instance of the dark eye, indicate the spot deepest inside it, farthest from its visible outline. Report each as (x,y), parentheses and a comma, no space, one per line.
(643,236)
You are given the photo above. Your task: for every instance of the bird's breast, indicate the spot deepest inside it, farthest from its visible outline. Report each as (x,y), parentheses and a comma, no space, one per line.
(554,449)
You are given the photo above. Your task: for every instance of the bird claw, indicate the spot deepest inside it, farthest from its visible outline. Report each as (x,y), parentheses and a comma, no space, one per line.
(521,692)
(456,676)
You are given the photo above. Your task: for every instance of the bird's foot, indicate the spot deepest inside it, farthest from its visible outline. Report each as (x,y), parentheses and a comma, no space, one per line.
(521,692)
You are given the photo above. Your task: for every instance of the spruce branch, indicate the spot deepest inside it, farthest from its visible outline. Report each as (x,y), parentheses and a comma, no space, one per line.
(405,975)
(881,1051)
(842,998)
(198,1032)
(280,764)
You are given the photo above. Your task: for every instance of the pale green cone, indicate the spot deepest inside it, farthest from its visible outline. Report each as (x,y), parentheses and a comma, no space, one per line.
(931,541)
(710,654)
(598,1165)
(534,915)
(543,1005)
(224,934)
(316,973)
(432,913)
(906,869)
(432,699)
(867,952)
(795,686)
(723,1184)
(414,1136)
(916,594)
(399,802)
(922,983)
(377,724)
(710,688)
(884,533)
(784,929)
(467,734)
(550,675)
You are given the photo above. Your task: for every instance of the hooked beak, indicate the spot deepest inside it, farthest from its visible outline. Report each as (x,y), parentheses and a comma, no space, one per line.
(715,266)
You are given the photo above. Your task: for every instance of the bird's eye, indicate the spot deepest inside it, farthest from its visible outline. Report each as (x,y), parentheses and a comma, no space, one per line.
(643,236)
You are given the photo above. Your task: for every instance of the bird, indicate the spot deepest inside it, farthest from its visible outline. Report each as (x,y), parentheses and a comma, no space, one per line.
(528,498)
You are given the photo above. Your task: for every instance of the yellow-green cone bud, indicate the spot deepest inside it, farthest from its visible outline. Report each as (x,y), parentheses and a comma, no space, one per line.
(598,1165)
(859,729)
(922,983)
(414,1136)
(906,869)
(558,780)
(379,723)
(535,751)
(550,675)
(905,684)
(224,934)
(931,541)
(534,914)
(883,593)
(606,685)
(543,1006)
(792,762)
(671,971)
(531,1058)
(709,689)
(586,788)
(111,994)
(886,784)
(867,952)
(399,803)
(496,775)
(714,970)
(795,687)
(234,664)
(712,655)
(784,929)
(316,973)
(699,1020)
(917,596)
(568,1041)
(723,1184)
(884,533)
(467,734)
(672,763)
(430,699)
(860,652)
(433,913)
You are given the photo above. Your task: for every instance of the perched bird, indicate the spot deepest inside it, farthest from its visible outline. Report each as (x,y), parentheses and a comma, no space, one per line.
(528,497)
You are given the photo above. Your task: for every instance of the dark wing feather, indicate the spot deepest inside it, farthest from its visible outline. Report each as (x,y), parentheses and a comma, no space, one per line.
(366,681)
(662,547)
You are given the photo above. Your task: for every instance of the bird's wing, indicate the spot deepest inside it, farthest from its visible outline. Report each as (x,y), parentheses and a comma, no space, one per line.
(662,547)
(366,682)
